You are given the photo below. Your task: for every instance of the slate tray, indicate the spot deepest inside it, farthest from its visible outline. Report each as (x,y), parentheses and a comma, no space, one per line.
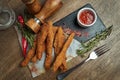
(71,22)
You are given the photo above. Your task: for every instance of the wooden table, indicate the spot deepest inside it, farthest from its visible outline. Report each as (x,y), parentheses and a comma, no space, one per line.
(107,67)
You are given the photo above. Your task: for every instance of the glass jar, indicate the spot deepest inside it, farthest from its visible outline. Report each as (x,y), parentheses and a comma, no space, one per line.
(7,15)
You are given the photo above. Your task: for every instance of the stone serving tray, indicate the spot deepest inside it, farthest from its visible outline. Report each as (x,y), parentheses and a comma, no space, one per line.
(70,21)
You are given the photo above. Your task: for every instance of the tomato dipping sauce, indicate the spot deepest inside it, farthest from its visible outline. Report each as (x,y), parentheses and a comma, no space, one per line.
(87,17)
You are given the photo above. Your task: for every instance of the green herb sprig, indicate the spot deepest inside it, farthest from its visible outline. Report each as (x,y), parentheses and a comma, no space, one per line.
(92,43)
(28,34)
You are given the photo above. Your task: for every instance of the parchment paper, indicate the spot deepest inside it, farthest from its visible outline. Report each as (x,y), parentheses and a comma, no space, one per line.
(38,67)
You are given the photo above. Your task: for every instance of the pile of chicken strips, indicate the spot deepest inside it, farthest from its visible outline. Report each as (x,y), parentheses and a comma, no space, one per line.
(50,37)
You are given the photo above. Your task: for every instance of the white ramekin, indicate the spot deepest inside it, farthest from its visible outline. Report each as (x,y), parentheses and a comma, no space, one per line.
(82,24)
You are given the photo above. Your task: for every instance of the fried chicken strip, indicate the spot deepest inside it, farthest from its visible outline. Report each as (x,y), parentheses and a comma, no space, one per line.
(49,44)
(58,44)
(60,58)
(41,37)
(30,54)
(59,40)
(34,59)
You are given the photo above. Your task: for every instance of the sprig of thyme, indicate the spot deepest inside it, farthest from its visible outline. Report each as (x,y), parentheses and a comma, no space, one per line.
(92,43)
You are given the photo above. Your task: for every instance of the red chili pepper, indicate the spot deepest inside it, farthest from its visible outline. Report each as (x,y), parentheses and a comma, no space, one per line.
(21,19)
(24,46)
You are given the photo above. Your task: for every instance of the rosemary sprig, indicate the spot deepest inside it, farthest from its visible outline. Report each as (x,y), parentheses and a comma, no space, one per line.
(92,43)
(28,34)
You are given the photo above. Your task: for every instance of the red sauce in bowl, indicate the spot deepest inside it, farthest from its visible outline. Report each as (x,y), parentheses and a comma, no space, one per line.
(87,17)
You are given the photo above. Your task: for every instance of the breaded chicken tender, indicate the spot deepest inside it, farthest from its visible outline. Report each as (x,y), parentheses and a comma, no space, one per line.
(49,44)
(34,59)
(60,58)
(41,37)
(59,40)
(58,44)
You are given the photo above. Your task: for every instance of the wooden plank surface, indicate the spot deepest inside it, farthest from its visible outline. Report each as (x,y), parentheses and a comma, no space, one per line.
(107,67)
